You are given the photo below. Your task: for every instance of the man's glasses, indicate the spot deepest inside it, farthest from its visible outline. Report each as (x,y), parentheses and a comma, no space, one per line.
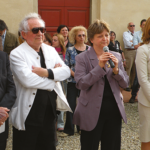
(81,35)
(132,25)
(36,30)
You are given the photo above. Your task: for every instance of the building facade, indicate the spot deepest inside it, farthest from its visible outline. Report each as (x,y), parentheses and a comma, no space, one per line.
(118,13)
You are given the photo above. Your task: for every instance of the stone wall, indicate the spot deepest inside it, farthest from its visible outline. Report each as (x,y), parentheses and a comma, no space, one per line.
(13,11)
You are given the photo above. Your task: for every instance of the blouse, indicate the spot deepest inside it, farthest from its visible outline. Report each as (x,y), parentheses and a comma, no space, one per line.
(71,53)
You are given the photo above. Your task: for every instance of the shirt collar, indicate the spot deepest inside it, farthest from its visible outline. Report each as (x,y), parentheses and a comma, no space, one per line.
(3,36)
(130,32)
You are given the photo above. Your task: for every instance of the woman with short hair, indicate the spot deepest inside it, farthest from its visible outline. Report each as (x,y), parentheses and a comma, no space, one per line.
(143,72)
(77,37)
(63,29)
(100,108)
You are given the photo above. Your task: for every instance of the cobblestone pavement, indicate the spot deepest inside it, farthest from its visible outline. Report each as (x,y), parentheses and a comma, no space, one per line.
(130,133)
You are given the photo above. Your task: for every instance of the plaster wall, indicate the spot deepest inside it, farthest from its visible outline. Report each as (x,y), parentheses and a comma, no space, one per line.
(13,11)
(118,13)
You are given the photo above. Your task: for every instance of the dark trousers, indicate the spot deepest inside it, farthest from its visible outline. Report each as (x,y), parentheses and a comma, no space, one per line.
(35,137)
(3,145)
(72,93)
(135,86)
(107,130)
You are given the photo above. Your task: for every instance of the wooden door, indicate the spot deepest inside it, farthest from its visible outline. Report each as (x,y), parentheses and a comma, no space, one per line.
(67,12)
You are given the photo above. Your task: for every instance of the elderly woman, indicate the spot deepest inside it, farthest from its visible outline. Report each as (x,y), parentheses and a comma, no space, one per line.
(100,108)
(143,72)
(77,37)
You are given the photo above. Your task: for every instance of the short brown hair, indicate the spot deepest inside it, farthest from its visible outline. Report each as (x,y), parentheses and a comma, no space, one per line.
(96,28)
(146,33)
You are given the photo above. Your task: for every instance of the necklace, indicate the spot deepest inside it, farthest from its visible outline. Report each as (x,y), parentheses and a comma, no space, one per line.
(108,65)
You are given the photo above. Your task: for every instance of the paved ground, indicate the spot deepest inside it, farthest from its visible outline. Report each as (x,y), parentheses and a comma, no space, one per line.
(130,136)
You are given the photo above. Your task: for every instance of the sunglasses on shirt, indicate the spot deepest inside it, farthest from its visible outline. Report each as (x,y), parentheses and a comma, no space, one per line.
(36,30)
(132,25)
(81,35)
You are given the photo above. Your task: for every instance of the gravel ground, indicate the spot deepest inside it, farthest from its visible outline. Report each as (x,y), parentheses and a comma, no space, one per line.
(130,133)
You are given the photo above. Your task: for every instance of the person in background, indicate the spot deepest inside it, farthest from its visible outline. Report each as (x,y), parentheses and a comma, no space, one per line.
(7,95)
(20,39)
(143,72)
(136,42)
(47,39)
(9,40)
(58,43)
(130,53)
(77,37)
(63,29)
(100,108)
(114,45)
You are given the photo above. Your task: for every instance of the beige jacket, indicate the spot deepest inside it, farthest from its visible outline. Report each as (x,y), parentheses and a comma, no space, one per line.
(143,72)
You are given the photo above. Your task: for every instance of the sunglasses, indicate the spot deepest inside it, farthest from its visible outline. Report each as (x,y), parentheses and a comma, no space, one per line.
(132,25)
(36,30)
(81,35)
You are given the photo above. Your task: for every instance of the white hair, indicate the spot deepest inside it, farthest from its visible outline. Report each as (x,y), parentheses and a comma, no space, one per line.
(24,23)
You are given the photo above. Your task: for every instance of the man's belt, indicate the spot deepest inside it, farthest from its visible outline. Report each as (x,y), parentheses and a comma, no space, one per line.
(130,49)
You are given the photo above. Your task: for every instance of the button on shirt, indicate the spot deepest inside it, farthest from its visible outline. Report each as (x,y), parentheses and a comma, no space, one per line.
(137,38)
(127,37)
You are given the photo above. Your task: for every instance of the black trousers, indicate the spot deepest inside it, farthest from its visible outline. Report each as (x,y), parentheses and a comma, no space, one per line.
(72,93)
(107,130)
(35,137)
(3,144)
(135,86)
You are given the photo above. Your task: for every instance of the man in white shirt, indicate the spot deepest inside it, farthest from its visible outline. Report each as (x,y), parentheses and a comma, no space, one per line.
(137,39)
(130,52)
(37,70)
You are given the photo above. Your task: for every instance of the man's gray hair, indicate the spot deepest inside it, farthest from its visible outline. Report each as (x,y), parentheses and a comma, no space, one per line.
(24,23)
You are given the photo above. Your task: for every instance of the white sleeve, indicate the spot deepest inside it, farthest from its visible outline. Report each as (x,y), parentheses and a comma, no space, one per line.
(141,66)
(25,76)
(126,40)
(135,39)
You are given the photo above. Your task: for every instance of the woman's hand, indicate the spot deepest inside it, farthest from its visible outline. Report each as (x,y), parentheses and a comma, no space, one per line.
(42,72)
(103,59)
(124,63)
(72,73)
(115,60)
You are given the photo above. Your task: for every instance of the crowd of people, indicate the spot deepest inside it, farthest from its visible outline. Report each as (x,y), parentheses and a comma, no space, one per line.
(72,72)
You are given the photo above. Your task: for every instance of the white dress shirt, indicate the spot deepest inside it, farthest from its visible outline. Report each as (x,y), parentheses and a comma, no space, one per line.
(137,37)
(127,38)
